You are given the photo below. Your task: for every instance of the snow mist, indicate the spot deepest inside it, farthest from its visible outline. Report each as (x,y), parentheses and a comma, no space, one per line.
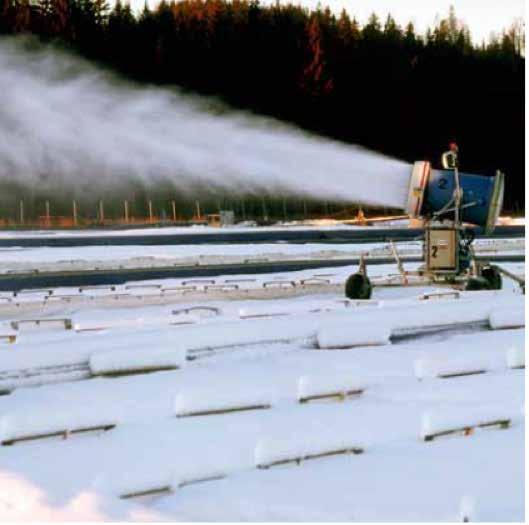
(64,124)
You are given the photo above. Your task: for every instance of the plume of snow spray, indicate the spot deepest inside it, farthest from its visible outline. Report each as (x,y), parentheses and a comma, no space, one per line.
(66,124)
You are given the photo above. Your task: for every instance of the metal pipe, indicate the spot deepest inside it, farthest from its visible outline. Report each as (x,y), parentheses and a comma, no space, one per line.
(457,195)
(514,277)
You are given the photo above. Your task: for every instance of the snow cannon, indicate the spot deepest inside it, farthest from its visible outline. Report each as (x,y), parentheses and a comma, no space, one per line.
(448,202)
(431,196)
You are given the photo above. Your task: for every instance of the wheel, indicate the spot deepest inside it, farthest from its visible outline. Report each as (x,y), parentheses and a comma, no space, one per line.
(477,283)
(493,276)
(358,286)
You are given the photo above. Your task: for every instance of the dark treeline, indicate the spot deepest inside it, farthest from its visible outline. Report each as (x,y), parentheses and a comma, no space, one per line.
(379,85)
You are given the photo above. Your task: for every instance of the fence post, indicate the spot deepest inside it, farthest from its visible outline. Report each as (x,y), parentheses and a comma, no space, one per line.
(173,204)
(126,205)
(150,212)
(101,212)
(265,213)
(74,210)
(22,213)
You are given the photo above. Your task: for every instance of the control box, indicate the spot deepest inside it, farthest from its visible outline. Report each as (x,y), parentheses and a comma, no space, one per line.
(441,250)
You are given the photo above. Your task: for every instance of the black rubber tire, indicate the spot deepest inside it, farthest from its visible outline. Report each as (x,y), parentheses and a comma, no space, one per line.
(493,276)
(358,286)
(477,283)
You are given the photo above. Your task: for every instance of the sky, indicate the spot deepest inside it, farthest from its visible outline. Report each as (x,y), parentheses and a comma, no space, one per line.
(482,16)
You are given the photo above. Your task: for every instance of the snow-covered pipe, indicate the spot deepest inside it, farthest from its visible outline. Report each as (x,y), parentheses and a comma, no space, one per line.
(210,399)
(503,318)
(134,361)
(329,383)
(515,357)
(324,435)
(427,368)
(32,425)
(345,335)
(440,422)
(359,329)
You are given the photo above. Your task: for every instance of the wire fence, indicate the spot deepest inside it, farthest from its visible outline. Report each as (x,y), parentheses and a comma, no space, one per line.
(56,213)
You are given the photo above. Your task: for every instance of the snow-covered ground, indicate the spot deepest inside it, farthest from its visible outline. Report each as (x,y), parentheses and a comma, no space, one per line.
(88,257)
(276,400)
